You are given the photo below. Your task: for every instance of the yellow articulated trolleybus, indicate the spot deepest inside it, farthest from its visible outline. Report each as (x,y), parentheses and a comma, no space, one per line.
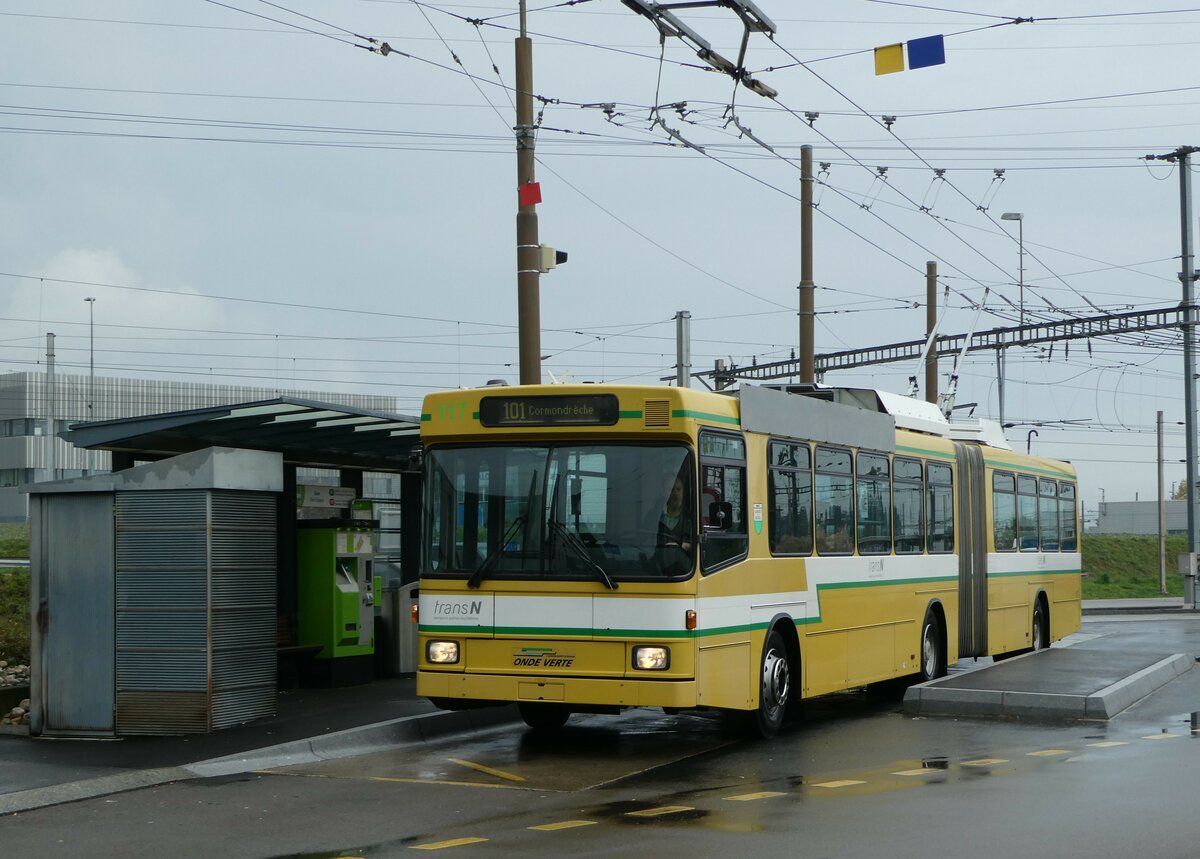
(589,548)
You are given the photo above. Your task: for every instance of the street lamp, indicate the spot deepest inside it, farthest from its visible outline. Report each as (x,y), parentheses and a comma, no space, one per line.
(1020,219)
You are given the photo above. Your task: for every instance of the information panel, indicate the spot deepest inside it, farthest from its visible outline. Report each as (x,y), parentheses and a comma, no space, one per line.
(549,411)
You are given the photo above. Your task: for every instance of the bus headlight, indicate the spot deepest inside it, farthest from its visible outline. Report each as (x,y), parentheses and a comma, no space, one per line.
(441,652)
(647,658)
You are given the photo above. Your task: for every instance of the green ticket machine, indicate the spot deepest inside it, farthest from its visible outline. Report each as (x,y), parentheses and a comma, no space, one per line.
(336,599)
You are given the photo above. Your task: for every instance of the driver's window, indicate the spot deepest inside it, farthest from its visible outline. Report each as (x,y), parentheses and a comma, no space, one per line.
(723,482)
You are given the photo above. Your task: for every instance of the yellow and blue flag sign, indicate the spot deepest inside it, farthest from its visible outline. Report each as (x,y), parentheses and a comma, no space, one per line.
(922,53)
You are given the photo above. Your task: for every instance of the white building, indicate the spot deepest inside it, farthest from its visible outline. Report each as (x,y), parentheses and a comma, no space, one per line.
(32,452)
(1140,517)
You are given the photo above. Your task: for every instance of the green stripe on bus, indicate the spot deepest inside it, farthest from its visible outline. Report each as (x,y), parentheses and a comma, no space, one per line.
(635,414)
(1007,466)
(706,416)
(1033,573)
(425,416)
(934,453)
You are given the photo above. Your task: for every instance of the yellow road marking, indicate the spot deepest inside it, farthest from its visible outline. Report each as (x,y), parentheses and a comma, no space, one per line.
(921,771)
(984,762)
(1163,736)
(443,781)
(749,797)
(442,845)
(566,824)
(656,812)
(849,782)
(1108,744)
(394,779)
(1046,753)
(489,770)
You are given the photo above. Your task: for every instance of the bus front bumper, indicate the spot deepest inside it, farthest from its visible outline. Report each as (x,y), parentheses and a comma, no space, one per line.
(583,691)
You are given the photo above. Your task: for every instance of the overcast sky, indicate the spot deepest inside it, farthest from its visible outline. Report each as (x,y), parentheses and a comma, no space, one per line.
(254,198)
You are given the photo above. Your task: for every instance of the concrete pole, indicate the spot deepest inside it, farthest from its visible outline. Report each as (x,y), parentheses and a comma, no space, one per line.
(1188,278)
(51,408)
(683,349)
(1162,514)
(931,310)
(529,318)
(1000,384)
(808,348)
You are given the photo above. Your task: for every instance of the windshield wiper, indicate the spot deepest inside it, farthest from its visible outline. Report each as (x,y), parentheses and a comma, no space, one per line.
(494,555)
(572,542)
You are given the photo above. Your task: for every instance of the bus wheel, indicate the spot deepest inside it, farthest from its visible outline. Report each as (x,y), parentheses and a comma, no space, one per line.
(544,717)
(1041,633)
(933,655)
(775,689)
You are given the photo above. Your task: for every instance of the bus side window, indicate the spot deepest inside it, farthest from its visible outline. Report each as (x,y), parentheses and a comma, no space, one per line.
(874,505)
(940,479)
(908,503)
(789,488)
(834,504)
(1004,512)
(723,479)
(1048,514)
(1027,514)
(1066,516)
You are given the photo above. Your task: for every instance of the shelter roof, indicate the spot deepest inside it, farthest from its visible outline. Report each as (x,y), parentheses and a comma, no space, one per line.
(308,433)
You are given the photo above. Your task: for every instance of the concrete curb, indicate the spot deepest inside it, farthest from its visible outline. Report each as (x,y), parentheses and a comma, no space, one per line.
(1111,700)
(933,698)
(358,741)
(41,797)
(353,741)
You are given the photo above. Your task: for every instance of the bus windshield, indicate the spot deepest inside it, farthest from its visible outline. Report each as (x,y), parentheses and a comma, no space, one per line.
(569,511)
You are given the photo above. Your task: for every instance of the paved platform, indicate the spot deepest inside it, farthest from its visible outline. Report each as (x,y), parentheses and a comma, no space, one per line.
(1059,683)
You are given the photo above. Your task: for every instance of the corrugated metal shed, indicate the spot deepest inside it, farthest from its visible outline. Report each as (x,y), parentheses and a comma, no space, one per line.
(154,590)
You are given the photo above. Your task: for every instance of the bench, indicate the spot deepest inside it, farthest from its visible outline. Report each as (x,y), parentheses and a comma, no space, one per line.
(290,656)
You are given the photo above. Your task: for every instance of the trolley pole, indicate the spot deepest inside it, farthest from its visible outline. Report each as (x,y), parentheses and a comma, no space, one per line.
(529,321)
(807,346)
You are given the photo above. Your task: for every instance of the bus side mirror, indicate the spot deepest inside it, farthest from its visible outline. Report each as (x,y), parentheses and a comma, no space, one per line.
(720,516)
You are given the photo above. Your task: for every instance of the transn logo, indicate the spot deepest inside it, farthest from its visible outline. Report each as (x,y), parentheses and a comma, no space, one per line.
(542,657)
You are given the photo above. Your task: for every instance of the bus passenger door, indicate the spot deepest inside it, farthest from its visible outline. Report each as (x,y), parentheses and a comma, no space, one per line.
(972,552)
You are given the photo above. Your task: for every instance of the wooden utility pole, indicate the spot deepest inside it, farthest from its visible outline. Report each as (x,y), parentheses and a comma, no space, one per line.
(807,347)
(529,317)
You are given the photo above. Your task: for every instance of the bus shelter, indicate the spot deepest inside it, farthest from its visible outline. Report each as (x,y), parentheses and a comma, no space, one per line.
(184,479)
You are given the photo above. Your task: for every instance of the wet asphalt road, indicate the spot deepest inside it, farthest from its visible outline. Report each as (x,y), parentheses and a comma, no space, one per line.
(855,777)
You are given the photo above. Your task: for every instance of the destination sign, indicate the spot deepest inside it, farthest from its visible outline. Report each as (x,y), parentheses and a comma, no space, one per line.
(549,411)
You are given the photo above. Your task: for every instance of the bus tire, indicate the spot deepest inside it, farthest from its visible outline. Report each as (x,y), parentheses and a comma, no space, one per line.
(775,687)
(1040,638)
(544,718)
(933,650)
